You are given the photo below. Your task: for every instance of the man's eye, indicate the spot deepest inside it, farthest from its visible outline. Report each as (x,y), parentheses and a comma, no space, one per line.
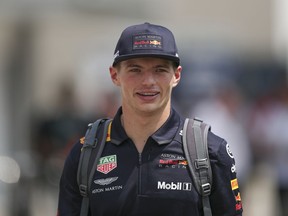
(135,70)
(161,70)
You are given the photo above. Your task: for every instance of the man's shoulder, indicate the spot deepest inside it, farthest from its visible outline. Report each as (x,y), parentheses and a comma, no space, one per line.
(219,150)
(215,142)
(75,150)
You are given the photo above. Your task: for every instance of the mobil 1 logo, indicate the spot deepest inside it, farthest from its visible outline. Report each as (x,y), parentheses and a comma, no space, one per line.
(174,186)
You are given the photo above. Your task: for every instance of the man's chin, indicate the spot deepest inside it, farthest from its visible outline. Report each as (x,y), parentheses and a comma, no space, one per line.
(149,109)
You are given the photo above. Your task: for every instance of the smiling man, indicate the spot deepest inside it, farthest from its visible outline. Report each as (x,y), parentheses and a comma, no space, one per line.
(142,170)
(146,85)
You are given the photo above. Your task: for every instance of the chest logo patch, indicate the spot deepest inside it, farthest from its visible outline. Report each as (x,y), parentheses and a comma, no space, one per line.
(107,164)
(106,181)
(229,151)
(185,186)
(172,161)
(234,184)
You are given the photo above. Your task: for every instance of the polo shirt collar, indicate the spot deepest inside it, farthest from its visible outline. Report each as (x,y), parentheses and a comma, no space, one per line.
(164,135)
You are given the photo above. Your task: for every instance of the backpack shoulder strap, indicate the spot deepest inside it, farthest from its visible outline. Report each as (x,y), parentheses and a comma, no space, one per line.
(90,153)
(195,133)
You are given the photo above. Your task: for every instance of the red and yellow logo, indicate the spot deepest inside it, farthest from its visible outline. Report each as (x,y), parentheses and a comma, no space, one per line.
(173,162)
(234,184)
(238,206)
(238,197)
(155,42)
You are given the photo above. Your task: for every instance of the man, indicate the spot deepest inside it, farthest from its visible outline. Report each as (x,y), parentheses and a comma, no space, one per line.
(144,153)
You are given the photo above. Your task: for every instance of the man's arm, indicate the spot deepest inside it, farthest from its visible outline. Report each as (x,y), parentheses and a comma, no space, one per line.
(225,197)
(69,200)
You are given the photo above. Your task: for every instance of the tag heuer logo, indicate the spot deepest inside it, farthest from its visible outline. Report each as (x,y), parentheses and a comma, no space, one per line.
(107,164)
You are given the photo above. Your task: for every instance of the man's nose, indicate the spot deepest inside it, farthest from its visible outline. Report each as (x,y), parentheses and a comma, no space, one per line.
(148,78)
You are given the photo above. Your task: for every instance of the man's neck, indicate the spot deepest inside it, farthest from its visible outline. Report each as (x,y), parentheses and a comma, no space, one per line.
(140,127)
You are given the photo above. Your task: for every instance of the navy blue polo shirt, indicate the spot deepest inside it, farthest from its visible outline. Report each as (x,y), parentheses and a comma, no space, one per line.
(155,182)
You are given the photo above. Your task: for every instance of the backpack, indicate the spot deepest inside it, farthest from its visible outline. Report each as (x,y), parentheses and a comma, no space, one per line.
(195,133)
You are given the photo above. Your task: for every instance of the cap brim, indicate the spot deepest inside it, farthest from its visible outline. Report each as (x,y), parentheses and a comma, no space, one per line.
(126,57)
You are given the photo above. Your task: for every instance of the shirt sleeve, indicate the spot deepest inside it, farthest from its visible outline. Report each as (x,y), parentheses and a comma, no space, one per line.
(225,198)
(69,200)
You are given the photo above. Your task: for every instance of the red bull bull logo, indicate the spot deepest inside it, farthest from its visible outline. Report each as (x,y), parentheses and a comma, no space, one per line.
(155,42)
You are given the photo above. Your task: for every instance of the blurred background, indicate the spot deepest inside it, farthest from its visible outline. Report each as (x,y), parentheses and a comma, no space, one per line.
(54,80)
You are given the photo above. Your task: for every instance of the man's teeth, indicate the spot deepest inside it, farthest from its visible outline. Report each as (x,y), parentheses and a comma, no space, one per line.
(148,94)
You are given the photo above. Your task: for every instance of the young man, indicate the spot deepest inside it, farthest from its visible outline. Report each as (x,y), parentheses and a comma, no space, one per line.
(144,154)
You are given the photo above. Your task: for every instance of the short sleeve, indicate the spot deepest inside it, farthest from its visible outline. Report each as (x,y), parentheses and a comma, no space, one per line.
(69,200)
(225,198)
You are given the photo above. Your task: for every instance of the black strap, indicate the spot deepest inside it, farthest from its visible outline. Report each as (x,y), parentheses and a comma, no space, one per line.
(98,152)
(90,153)
(89,143)
(195,134)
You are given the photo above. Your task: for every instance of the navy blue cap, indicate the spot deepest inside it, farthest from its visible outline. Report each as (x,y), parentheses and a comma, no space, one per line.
(146,40)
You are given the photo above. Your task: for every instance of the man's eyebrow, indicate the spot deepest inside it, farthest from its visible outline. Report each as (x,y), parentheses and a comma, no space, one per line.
(139,66)
(161,66)
(133,65)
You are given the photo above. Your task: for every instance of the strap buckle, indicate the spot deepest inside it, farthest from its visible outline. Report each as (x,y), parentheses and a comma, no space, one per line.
(206,189)
(201,163)
(83,190)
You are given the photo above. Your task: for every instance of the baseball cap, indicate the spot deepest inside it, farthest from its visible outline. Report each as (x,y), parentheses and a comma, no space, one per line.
(146,40)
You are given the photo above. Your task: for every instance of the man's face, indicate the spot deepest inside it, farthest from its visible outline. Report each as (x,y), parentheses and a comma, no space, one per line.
(146,83)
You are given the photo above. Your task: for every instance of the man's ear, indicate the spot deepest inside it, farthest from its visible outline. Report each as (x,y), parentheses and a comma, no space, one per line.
(177,76)
(114,75)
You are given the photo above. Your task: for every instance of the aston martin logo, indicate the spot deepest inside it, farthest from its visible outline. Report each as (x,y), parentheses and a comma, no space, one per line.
(105,181)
